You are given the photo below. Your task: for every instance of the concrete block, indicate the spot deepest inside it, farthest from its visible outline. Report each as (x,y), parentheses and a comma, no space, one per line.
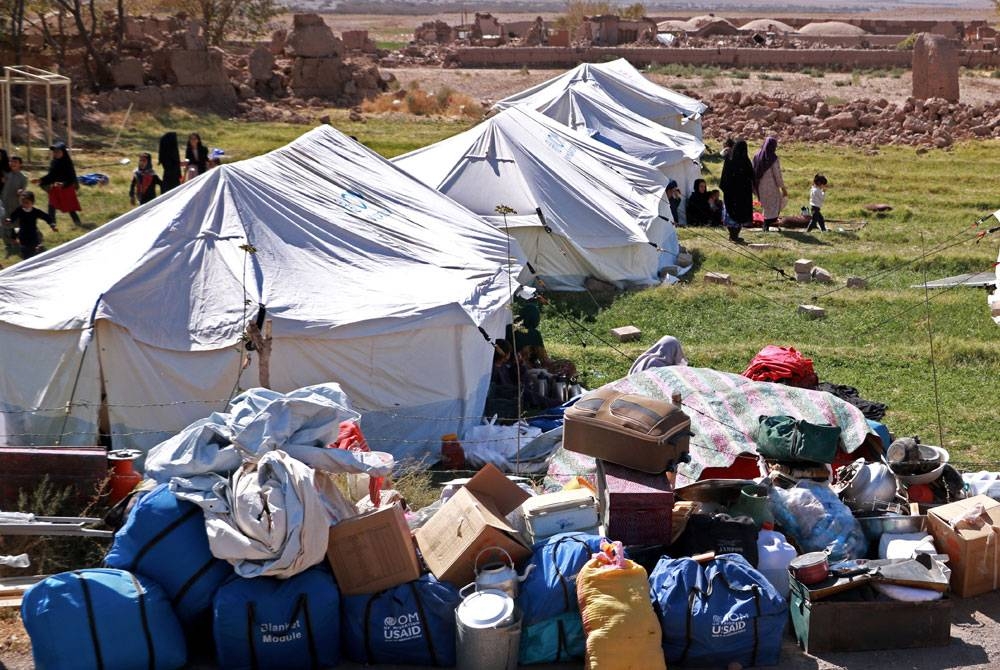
(812,311)
(857,282)
(685,259)
(822,275)
(718,278)
(804,277)
(803,265)
(626,333)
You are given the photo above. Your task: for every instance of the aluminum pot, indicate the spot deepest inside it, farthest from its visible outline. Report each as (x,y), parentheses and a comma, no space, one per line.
(811,568)
(488,630)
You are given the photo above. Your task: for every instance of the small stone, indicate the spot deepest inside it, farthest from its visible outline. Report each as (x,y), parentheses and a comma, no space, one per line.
(857,282)
(718,278)
(812,311)
(685,260)
(822,276)
(804,265)
(325,119)
(803,277)
(626,333)
(760,246)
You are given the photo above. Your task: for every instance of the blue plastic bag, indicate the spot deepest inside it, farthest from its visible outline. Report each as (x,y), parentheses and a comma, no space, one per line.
(812,514)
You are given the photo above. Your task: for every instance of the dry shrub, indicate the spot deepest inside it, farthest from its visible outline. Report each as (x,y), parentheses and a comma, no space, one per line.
(420,103)
(416,101)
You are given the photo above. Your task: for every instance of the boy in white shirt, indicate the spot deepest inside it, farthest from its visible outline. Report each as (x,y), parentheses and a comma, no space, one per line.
(816,197)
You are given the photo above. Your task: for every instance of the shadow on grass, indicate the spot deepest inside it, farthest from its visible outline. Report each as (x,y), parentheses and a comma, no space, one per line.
(804,237)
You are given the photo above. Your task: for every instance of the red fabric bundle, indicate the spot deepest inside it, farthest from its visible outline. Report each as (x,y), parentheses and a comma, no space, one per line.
(783,365)
(349,436)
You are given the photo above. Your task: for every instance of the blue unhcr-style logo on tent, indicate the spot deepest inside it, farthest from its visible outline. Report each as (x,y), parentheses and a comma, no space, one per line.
(356,204)
(560,147)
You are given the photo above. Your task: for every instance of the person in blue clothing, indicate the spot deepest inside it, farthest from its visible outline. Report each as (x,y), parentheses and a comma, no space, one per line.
(25,222)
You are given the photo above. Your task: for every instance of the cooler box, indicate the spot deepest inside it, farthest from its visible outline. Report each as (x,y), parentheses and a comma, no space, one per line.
(562,512)
(636,507)
(636,431)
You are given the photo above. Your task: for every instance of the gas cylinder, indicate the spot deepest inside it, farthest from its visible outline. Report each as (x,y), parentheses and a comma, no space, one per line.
(124,478)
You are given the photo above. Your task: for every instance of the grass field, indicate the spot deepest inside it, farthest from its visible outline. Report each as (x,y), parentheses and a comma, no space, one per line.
(876,340)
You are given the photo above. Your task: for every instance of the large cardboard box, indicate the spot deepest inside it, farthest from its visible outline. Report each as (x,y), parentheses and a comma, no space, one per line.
(472,520)
(973,555)
(373,552)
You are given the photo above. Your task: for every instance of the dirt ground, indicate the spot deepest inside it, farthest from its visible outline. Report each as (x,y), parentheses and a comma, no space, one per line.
(975,643)
(490,85)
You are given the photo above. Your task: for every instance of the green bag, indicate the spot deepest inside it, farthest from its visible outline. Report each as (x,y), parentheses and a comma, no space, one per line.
(785,438)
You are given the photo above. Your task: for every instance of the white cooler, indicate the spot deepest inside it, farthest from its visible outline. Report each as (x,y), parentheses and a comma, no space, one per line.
(562,512)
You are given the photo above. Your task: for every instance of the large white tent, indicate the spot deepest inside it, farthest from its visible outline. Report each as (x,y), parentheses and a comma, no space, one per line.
(627,87)
(592,221)
(370,278)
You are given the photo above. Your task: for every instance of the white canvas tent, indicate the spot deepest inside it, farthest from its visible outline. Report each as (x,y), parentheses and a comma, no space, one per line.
(587,109)
(627,87)
(371,280)
(994,299)
(593,221)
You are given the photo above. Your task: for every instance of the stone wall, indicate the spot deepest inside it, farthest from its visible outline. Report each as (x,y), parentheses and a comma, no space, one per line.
(559,57)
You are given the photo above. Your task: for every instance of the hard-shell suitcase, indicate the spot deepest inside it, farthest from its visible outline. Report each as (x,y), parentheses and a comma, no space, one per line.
(562,512)
(638,432)
(636,507)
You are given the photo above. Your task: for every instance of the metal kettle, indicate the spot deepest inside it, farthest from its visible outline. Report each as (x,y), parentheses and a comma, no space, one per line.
(500,575)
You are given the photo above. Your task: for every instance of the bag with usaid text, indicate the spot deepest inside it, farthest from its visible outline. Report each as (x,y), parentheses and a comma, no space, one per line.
(272,623)
(718,614)
(410,624)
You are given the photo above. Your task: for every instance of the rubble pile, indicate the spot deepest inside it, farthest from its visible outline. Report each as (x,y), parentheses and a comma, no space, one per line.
(933,122)
(166,61)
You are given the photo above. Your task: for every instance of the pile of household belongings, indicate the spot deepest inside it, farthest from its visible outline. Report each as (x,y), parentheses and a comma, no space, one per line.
(244,550)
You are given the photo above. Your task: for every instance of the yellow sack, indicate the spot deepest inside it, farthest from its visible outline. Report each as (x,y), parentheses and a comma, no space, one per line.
(623,632)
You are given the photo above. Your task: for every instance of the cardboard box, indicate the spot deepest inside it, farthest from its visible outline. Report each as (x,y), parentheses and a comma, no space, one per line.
(373,552)
(472,520)
(973,555)
(819,624)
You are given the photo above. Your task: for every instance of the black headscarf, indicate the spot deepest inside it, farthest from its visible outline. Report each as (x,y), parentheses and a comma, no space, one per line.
(698,211)
(61,170)
(737,184)
(170,159)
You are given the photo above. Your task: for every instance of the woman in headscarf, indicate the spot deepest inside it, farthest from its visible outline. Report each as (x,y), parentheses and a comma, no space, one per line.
(666,352)
(699,211)
(170,160)
(196,155)
(737,190)
(768,183)
(61,184)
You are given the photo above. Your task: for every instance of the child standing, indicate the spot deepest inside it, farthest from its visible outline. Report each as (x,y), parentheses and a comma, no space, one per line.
(15,181)
(817,194)
(25,219)
(144,181)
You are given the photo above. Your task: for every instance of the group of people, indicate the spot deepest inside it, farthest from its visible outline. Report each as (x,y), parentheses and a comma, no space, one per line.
(20,216)
(742,180)
(197,160)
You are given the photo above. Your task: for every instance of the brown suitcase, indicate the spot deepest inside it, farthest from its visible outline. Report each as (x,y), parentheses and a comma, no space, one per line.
(631,430)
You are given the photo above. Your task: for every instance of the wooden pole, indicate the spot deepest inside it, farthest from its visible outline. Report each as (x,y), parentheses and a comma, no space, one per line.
(48,112)
(27,118)
(69,114)
(262,345)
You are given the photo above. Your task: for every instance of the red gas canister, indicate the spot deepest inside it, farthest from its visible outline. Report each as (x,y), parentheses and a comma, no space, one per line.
(452,454)
(124,478)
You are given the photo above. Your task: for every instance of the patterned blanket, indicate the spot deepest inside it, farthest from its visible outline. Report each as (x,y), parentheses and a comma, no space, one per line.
(725,410)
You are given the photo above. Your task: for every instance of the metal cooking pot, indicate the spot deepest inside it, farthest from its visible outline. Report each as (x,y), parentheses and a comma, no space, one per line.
(867,487)
(811,568)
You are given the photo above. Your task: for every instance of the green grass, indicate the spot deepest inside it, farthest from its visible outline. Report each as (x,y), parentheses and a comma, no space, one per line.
(390,45)
(875,340)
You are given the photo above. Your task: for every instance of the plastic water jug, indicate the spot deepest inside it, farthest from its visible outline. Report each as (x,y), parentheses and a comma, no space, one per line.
(773,556)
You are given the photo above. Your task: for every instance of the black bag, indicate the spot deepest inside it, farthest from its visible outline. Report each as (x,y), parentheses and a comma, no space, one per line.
(721,533)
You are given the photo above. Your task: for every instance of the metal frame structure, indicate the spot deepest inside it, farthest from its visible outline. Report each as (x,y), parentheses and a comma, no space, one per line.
(29,76)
